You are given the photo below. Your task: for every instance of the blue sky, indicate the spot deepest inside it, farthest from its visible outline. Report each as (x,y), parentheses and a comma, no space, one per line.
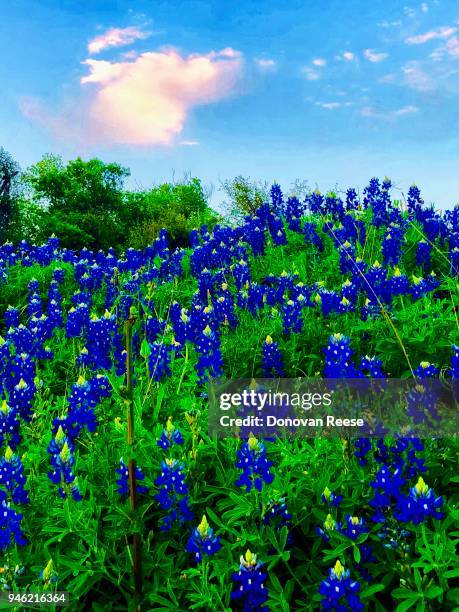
(332,93)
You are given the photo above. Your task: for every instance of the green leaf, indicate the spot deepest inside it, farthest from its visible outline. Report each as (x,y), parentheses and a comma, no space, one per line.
(145,349)
(375,588)
(433,591)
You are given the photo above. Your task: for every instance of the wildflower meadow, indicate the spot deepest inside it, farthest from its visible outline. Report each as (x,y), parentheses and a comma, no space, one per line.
(112,489)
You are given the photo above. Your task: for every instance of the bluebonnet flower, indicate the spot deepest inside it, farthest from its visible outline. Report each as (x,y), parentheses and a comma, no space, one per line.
(276,230)
(293,213)
(349,290)
(12,477)
(316,203)
(392,245)
(363,446)
(21,338)
(11,317)
(328,497)
(210,362)
(159,360)
(255,298)
(249,584)
(422,286)
(10,527)
(123,480)
(272,362)
(170,436)
(82,402)
(420,504)
(252,460)
(311,235)
(257,237)
(339,591)
(277,512)
(62,461)
(277,199)
(422,257)
(224,309)
(338,355)
(354,527)
(101,332)
(426,370)
(414,200)
(21,398)
(328,526)
(202,541)
(77,321)
(292,315)
(173,493)
(9,426)
(371,366)
(241,274)
(398,284)
(346,257)
(328,300)
(59,275)
(388,484)
(352,201)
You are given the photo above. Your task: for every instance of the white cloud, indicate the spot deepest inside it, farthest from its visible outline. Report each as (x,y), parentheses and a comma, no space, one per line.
(452,46)
(116,37)
(372,56)
(369,111)
(329,105)
(416,77)
(319,61)
(346,55)
(390,24)
(310,74)
(420,39)
(265,64)
(405,110)
(424,7)
(189,143)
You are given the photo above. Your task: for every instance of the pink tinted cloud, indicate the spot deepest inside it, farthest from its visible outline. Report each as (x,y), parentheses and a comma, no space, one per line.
(452,46)
(420,39)
(145,101)
(116,37)
(373,56)
(417,78)
(148,100)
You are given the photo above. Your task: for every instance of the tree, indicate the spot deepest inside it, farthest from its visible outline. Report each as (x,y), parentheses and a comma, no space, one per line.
(83,199)
(245,196)
(179,207)
(9,175)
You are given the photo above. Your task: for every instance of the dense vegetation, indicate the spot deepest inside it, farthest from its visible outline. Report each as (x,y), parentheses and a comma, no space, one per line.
(87,204)
(317,287)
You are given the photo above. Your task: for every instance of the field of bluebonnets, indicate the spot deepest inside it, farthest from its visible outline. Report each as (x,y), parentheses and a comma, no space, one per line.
(327,287)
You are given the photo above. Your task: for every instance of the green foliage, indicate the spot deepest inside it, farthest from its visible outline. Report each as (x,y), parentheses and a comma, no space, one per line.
(179,207)
(85,204)
(9,192)
(79,201)
(244,195)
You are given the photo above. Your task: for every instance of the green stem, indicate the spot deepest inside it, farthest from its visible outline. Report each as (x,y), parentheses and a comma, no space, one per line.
(136,542)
